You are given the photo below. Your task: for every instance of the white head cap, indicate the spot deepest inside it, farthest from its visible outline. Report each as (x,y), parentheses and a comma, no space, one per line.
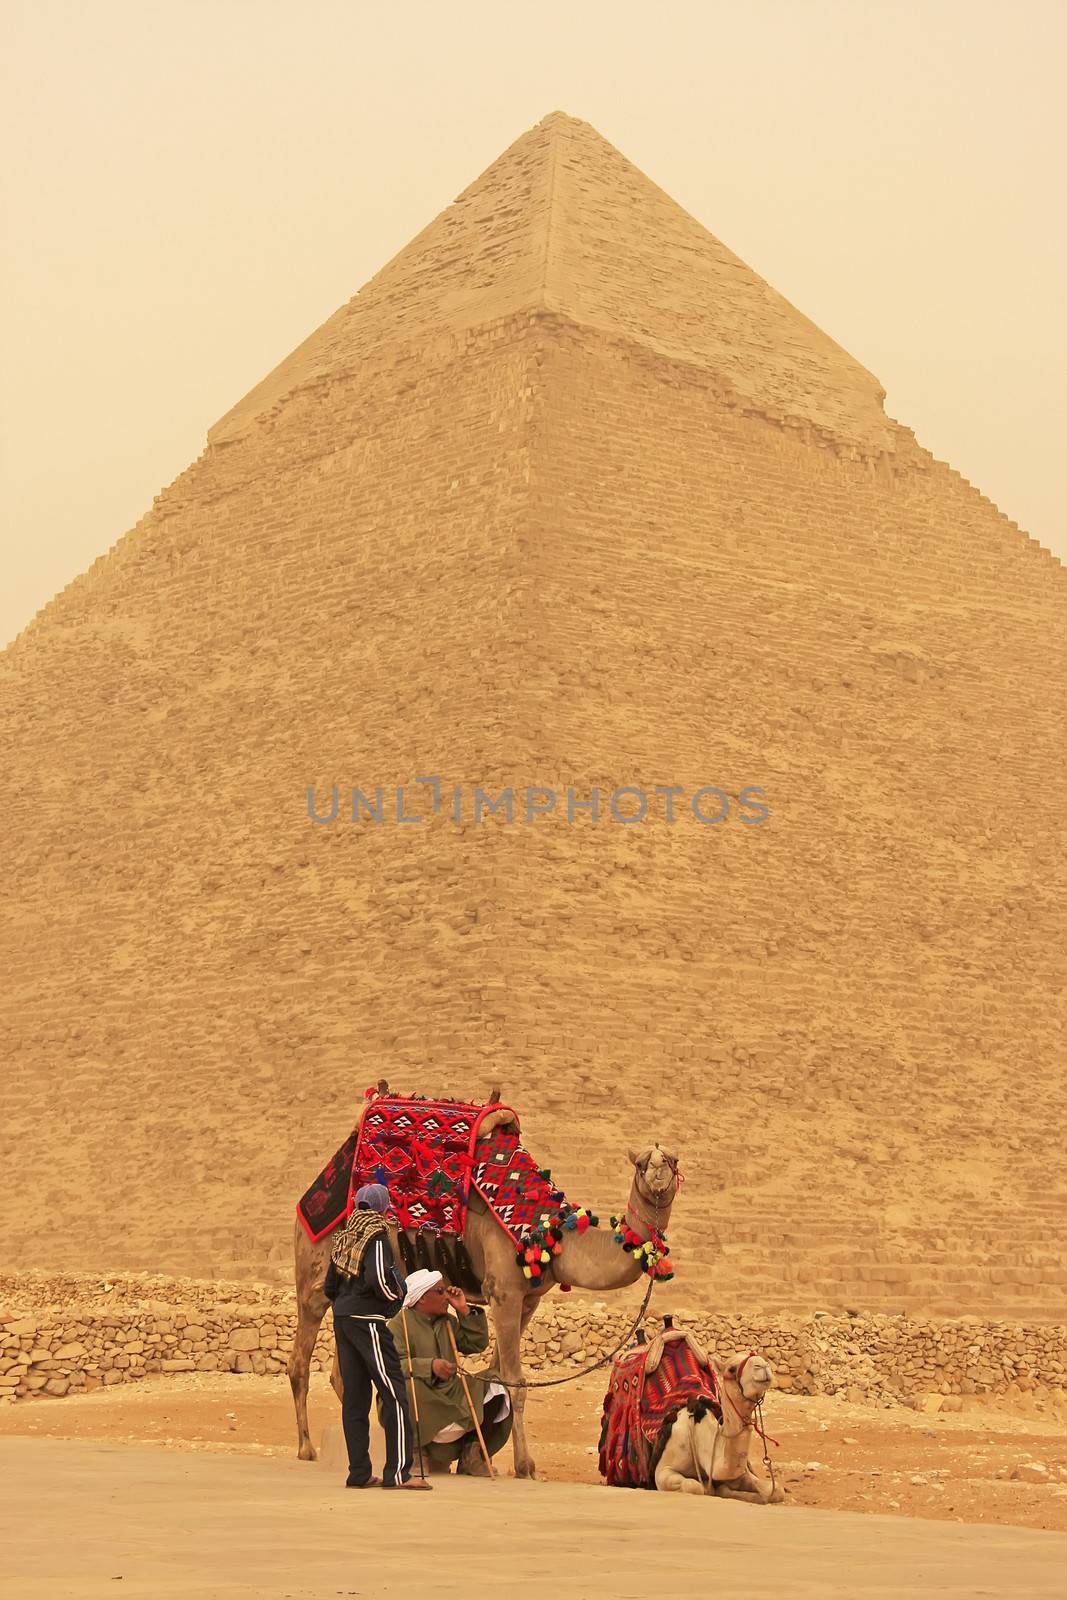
(418,1284)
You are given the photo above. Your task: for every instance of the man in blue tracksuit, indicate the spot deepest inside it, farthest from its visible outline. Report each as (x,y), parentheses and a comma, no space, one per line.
(366,1289)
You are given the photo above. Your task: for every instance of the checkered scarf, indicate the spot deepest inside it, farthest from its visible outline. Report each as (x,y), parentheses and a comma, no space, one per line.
(352,1240)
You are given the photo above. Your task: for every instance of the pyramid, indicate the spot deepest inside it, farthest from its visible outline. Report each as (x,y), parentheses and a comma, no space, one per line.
(566,498)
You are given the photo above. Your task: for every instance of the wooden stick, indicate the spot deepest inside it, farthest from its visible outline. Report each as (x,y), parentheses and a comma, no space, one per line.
(467,1393)
(414,1392)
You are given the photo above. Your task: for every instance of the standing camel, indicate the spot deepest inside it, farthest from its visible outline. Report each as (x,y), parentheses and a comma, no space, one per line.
(589,1260)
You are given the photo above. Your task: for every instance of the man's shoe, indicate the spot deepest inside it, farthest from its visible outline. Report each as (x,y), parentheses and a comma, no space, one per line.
(362,1483)
(412,1483)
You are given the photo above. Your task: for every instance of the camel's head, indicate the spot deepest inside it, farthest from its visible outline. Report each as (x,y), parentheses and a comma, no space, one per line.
(656,1175)
(752,1373)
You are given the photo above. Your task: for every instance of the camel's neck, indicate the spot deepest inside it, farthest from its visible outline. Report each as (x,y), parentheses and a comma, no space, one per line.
(644,1213)
(737,1412)
(592,1260)
(735,1433)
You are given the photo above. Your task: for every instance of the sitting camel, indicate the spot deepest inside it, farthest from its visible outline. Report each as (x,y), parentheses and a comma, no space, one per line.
(589,1260)
(696,1454)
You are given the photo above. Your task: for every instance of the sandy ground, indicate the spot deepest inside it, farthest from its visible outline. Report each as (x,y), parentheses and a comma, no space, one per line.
(189,1486)
(89,1520)
(831,1455)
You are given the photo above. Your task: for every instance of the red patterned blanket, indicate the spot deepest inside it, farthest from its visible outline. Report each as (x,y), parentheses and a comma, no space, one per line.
(639,1402)
(423,1150)
(428,1153)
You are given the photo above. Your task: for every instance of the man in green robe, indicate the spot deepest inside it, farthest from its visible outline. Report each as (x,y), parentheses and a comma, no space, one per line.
(444,1423)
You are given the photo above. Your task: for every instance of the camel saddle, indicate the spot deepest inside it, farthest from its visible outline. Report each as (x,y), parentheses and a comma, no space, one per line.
(649,1385)
(429,1153)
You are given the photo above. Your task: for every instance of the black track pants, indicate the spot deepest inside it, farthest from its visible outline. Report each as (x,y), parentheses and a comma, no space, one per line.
(367,1358)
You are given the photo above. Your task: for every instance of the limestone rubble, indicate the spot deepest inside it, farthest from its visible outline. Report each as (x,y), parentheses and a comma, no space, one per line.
(63,1336)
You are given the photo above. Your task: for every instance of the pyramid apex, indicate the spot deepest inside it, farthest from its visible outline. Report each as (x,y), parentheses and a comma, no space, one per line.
(563,221)
(557,118)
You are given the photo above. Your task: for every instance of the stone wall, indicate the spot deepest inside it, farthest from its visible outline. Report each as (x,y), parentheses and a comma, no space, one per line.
(76,1342)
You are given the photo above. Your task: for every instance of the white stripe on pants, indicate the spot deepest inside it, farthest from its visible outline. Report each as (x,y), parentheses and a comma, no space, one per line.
(398,1410)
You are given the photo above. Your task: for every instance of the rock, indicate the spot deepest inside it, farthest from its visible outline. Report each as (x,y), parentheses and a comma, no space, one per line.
(244,1339)
(70,1352)
(57,1386)
(1031,1472)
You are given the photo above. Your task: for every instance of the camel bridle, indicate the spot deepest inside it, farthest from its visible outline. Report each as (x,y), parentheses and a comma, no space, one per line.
(654,1197)
(755,1421)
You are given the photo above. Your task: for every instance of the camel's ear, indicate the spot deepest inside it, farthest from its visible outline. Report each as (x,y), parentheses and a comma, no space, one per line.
(633,1159)
(731,1370)
(383,1087)
(494,1097)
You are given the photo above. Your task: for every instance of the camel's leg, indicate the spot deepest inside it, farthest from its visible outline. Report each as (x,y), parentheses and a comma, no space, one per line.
(492,1354)
(760,1486)
(667,1480)
(750,1488)
(308,1319)
(509,1317)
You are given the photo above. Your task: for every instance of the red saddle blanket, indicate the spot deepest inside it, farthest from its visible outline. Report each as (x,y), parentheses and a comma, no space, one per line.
(638,1404)
(428,1153)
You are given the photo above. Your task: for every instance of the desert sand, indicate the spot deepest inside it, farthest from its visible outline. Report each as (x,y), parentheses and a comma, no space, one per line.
(112,1471)
(84,1517)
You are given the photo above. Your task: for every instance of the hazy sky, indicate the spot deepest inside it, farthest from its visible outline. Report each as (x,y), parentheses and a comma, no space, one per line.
(190,188)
